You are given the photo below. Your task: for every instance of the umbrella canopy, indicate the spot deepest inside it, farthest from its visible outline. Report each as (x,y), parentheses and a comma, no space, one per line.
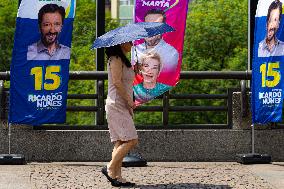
(131,32)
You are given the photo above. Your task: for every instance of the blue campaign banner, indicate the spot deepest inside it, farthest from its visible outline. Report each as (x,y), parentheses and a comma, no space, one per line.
(40,61)
(268,63)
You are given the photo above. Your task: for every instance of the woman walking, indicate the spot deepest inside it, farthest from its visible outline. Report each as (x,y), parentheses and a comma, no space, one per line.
(119,110)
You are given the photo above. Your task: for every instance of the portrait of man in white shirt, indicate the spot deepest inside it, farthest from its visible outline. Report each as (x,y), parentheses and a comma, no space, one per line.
(169,55)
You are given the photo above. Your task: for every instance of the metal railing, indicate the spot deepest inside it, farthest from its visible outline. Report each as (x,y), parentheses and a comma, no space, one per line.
(166,108)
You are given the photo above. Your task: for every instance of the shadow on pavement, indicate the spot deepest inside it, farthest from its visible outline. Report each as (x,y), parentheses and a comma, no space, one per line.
(278,164)
(184,186)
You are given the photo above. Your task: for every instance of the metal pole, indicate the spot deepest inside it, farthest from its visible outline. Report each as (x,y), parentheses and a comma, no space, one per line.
(229,108)
(249,63)
(9,137)
(249,39)
(252,138)
(166,105)
(252,6)
(244,101)
(2,103)
(100,30)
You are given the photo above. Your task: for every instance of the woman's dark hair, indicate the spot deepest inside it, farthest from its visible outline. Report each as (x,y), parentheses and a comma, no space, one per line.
(117,51)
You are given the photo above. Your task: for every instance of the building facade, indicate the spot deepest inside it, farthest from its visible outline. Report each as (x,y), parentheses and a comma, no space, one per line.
(122,10)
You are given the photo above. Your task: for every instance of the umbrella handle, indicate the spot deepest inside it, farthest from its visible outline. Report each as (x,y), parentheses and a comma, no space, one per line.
(136,69)
(136,54)
(136,66)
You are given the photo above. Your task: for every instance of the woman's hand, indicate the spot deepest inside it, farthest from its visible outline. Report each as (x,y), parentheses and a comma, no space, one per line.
(131,107)
(131,112)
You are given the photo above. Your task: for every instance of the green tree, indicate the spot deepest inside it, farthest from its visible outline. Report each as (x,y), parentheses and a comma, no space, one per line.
(8,13)
(216,39)
(216,32)
(83,58)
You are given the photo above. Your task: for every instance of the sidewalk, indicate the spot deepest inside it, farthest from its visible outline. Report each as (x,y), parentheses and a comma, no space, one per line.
(173,175)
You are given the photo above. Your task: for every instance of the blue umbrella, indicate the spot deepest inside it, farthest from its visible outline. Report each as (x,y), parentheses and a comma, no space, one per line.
(131,32)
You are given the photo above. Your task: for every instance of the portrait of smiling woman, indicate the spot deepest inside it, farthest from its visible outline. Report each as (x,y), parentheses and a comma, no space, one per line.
(150,68)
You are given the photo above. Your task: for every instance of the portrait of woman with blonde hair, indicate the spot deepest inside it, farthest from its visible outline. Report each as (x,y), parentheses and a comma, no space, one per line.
(150,67)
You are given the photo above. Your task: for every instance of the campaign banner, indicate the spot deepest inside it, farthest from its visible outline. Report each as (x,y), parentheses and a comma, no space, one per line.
(159,57)
(40,61)
(268,63)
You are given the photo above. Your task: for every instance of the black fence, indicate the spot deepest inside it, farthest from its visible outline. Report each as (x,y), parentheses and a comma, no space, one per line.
(166,108)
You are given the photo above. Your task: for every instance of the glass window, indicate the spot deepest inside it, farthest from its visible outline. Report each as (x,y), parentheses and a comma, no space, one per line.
(126,2)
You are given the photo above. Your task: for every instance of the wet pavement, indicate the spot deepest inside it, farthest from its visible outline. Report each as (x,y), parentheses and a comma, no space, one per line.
(157,175)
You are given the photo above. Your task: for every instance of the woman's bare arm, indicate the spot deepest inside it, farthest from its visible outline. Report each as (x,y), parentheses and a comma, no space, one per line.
(116,72)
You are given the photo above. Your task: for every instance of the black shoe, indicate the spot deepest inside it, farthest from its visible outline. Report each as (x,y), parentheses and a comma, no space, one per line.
(114,182)
(129,184)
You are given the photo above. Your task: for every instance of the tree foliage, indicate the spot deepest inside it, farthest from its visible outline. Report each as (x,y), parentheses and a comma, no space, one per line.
(216,34)
(83,58)
(216,39)
(7,28)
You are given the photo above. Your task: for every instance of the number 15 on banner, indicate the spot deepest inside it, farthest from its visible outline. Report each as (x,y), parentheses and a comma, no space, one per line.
(270,74)
(50,73)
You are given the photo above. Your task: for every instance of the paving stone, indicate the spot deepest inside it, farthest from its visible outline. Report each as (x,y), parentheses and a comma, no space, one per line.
(171,175)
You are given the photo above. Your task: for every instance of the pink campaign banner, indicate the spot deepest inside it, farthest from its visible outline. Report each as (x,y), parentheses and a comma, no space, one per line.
(159,57)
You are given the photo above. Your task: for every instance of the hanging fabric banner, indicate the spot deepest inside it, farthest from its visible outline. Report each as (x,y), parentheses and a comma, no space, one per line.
(268,62)
(40,61)
(159,57)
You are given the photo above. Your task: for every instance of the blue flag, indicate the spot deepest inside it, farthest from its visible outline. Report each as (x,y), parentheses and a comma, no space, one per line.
(268,63)
(40,62)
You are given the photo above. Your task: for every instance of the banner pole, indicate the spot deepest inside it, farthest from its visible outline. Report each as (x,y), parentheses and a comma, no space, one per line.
(252,139)
(100,65)
(9,137)
(252,157)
